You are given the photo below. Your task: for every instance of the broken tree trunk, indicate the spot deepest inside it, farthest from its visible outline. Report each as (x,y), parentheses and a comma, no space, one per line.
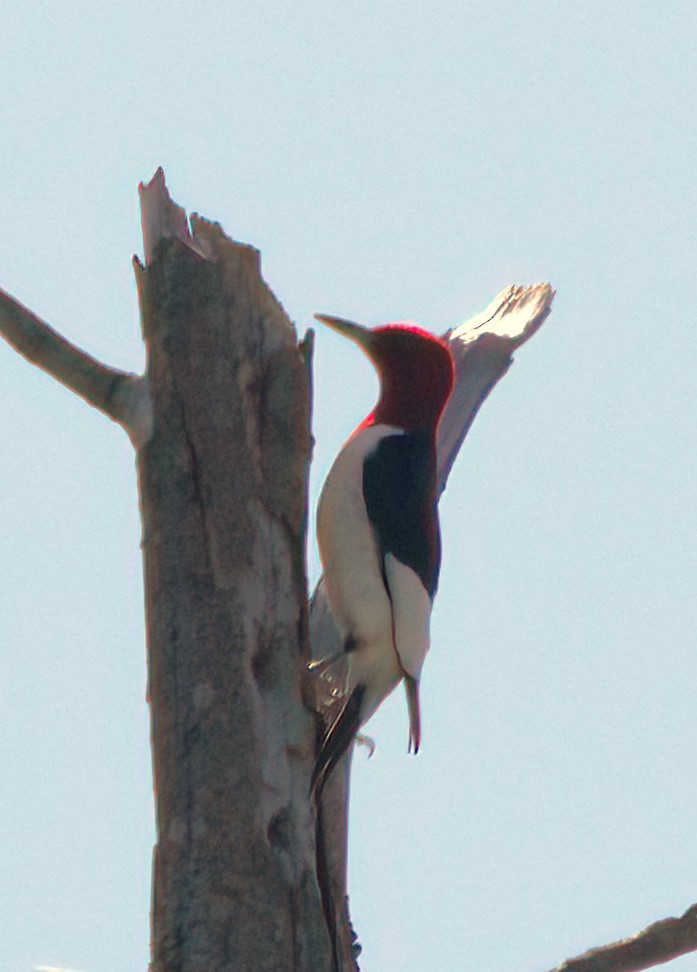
(223,486)
(221,424)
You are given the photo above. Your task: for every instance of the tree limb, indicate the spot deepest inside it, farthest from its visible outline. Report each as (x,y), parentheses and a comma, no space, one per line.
(482,348)
(659,943)
(120,395)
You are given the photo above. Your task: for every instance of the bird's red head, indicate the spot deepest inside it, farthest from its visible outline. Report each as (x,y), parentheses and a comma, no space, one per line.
(415,367)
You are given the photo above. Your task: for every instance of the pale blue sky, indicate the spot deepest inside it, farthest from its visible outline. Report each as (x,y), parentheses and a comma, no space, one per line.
(392,161)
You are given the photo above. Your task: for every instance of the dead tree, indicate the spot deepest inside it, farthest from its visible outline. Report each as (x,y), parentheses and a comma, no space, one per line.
(221,424)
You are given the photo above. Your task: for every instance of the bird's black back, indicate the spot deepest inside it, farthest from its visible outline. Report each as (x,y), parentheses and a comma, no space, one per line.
(399,491)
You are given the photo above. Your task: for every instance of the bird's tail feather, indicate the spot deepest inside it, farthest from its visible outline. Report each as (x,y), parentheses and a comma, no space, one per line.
(338,739)
(412,687)
(324,880)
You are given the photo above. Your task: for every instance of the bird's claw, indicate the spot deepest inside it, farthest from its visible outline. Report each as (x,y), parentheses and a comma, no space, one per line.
(368,741)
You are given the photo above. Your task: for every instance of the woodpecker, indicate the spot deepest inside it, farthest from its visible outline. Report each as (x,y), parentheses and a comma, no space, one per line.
(378,533)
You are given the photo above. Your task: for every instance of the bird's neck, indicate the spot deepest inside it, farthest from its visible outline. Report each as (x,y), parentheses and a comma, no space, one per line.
(411,424)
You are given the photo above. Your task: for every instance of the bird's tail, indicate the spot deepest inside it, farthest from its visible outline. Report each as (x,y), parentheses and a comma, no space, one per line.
(412,686)
(324,879)
(338,739)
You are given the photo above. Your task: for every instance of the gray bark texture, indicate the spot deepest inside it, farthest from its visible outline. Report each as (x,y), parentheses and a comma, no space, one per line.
(223,486)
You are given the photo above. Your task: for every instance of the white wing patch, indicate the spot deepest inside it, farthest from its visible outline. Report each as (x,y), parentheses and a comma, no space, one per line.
(411,613)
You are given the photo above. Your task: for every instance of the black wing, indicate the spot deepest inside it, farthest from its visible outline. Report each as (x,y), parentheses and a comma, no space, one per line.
(399,480)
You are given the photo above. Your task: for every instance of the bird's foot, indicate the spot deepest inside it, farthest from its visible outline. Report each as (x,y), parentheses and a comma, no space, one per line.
(368,741)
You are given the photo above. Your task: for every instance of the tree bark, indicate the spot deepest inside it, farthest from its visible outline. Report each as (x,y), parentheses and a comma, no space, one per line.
(223,485)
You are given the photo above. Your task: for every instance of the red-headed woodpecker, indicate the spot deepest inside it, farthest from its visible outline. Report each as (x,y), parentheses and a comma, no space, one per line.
(377,530)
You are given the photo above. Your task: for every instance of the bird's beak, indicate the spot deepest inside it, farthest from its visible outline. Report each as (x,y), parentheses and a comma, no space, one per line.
(355,332)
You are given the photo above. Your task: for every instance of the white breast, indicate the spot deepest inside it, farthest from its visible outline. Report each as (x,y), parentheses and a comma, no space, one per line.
(351,563)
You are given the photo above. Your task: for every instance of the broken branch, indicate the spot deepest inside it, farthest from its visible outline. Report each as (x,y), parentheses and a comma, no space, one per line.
(120,395)
(659,943)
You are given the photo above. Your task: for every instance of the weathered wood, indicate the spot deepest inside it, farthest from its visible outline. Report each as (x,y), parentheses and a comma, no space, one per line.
(120,395)
(223,485)
(661,942)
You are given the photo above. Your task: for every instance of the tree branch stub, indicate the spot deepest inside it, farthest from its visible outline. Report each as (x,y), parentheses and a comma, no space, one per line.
(121,396)
(661,942)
